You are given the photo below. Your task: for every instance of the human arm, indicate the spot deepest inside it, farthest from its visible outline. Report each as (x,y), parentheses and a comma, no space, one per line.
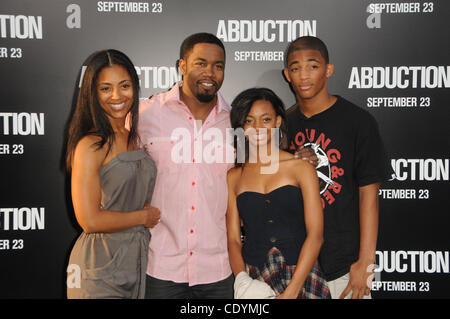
(368,220)
(307,179)
(371,166)
(234,226)
(86,194)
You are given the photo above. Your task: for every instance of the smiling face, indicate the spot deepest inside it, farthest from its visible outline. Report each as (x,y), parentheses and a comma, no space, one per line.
(261,118)
(203,71)
(115,91)
(308,73)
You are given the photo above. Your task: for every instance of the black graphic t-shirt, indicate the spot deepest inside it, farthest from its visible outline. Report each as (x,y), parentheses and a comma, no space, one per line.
(351,154)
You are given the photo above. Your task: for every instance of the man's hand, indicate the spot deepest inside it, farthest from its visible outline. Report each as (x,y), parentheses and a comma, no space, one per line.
(362,269)
(307,154)
(358,283)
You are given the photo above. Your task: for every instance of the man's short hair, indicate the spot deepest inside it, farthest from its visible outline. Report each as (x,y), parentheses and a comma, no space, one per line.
(306,43)
(202,37)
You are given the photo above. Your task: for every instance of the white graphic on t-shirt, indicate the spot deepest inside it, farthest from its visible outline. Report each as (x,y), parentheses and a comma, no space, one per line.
(322,168)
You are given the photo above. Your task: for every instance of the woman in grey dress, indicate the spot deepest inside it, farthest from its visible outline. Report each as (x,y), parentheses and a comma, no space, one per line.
(112,183)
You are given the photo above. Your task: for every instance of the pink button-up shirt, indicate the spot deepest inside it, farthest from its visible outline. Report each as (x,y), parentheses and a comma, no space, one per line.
(189,245)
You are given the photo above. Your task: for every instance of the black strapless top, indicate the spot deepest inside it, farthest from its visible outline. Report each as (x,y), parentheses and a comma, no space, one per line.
(275,219)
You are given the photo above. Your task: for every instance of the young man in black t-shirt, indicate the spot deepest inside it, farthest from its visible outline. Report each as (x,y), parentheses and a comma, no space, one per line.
(351,164)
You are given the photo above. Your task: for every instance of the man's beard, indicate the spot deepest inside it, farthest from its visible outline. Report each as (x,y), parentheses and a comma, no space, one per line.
(205,98)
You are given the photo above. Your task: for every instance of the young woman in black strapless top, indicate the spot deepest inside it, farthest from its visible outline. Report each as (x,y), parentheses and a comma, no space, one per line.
(274,198)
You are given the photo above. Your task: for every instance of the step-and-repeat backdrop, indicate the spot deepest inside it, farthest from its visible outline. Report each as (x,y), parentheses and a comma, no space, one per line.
(391,59)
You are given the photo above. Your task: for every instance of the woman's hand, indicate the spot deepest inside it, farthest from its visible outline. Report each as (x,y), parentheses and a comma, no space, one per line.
(152,216)
(288,293)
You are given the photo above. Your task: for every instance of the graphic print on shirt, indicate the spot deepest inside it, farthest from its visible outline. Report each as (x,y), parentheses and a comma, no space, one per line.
(327,168)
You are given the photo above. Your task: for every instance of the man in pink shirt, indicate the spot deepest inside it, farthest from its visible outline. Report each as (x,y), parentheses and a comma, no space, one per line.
(185,132)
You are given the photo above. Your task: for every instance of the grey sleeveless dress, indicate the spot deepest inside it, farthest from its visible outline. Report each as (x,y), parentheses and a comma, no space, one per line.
(113,265)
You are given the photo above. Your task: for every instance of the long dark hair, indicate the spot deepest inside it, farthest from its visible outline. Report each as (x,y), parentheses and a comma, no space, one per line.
(89,117)
(240,107)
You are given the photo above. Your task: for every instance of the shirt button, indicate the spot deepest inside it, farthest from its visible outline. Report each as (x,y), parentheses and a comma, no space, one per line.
(192,231)
(192,207)
(267,202)
(270,221)
(190,117)
(193,183)
(273,239)
(190,253)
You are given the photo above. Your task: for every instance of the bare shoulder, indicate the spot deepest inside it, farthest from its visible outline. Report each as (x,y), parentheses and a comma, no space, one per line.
(299,166)
(233,176)
(88,143)
(87,150)
(285,156)
(291,161)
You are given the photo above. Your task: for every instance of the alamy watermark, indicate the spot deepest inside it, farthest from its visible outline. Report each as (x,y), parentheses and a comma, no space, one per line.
(210,146)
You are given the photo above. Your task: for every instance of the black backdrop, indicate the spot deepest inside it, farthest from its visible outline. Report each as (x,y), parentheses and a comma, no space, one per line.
(391,58)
